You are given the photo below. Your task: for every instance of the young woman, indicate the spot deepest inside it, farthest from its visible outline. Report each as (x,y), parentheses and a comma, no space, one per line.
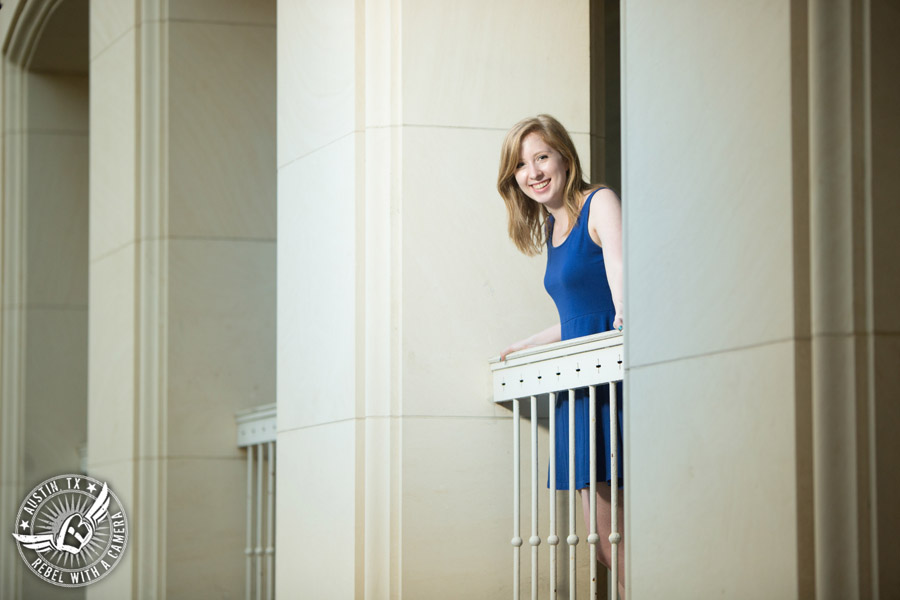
(549,203)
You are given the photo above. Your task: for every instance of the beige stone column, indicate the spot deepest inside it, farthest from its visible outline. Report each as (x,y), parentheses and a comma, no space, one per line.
(396,283)
(854,135)
(837,253)
(320,377)
(714,503)
(181,279)
(759,205)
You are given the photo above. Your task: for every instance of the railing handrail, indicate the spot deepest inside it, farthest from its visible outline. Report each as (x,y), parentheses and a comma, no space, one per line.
(586,343)
(576,363)
(256,425)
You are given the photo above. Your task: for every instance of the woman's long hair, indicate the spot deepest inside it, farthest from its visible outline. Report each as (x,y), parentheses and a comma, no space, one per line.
(527,218)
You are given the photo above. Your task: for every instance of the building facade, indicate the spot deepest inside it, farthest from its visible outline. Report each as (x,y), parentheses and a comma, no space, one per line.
(212,206)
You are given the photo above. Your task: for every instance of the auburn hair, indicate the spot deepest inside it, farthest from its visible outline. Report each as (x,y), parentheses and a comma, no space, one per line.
(528,226)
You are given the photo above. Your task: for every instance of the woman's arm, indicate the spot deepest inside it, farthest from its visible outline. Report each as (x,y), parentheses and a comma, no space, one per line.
(605,223)
(547,336)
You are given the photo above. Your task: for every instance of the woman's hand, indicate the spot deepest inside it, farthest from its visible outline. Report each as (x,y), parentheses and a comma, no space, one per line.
(547,336)
(618,323)
(520,345)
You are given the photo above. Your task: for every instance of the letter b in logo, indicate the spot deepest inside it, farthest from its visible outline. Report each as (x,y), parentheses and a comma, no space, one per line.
(76,533)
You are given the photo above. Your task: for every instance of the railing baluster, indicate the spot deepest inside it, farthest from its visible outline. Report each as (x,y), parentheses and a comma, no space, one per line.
(593,537)
(270,533)
(614,536)
(535,539)
(517,538)
(256,430)
(248,549)
(527,378)
(259,511)
(572,540)
(552,539)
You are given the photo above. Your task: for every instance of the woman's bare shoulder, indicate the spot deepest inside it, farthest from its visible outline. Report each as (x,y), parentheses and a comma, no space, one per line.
(604,191)
(586,193)
(605,212)
(604,197)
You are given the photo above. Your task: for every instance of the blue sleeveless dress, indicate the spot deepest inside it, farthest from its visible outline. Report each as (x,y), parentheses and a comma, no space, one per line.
(576,280)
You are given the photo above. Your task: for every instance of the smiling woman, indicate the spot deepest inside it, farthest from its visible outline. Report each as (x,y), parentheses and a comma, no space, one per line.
(518,163)
(549,203)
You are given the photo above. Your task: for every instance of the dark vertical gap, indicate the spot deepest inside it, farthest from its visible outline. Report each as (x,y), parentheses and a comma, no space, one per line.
(859,312)
(606,128)
(883,38)
(598,90)
(803,412)
(613,157)
(605,106)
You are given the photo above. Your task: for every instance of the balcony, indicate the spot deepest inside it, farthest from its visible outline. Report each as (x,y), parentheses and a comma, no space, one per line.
(256,429)
(533,378)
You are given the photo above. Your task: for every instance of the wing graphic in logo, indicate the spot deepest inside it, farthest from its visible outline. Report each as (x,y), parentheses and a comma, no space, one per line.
(74,533)
(39,543)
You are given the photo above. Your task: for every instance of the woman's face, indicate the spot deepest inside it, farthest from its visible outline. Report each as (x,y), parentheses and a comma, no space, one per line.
(541,171)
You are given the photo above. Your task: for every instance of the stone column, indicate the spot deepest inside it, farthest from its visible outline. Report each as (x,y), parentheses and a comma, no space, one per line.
(396,283)
(760,204)
(181,278)
(854,136)
(716,498)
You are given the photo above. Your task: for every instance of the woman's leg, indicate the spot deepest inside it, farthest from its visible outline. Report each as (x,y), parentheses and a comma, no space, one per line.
(604,513)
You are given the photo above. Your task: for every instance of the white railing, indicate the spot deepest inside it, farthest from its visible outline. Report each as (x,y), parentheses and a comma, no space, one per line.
(539,374)
(256,432)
